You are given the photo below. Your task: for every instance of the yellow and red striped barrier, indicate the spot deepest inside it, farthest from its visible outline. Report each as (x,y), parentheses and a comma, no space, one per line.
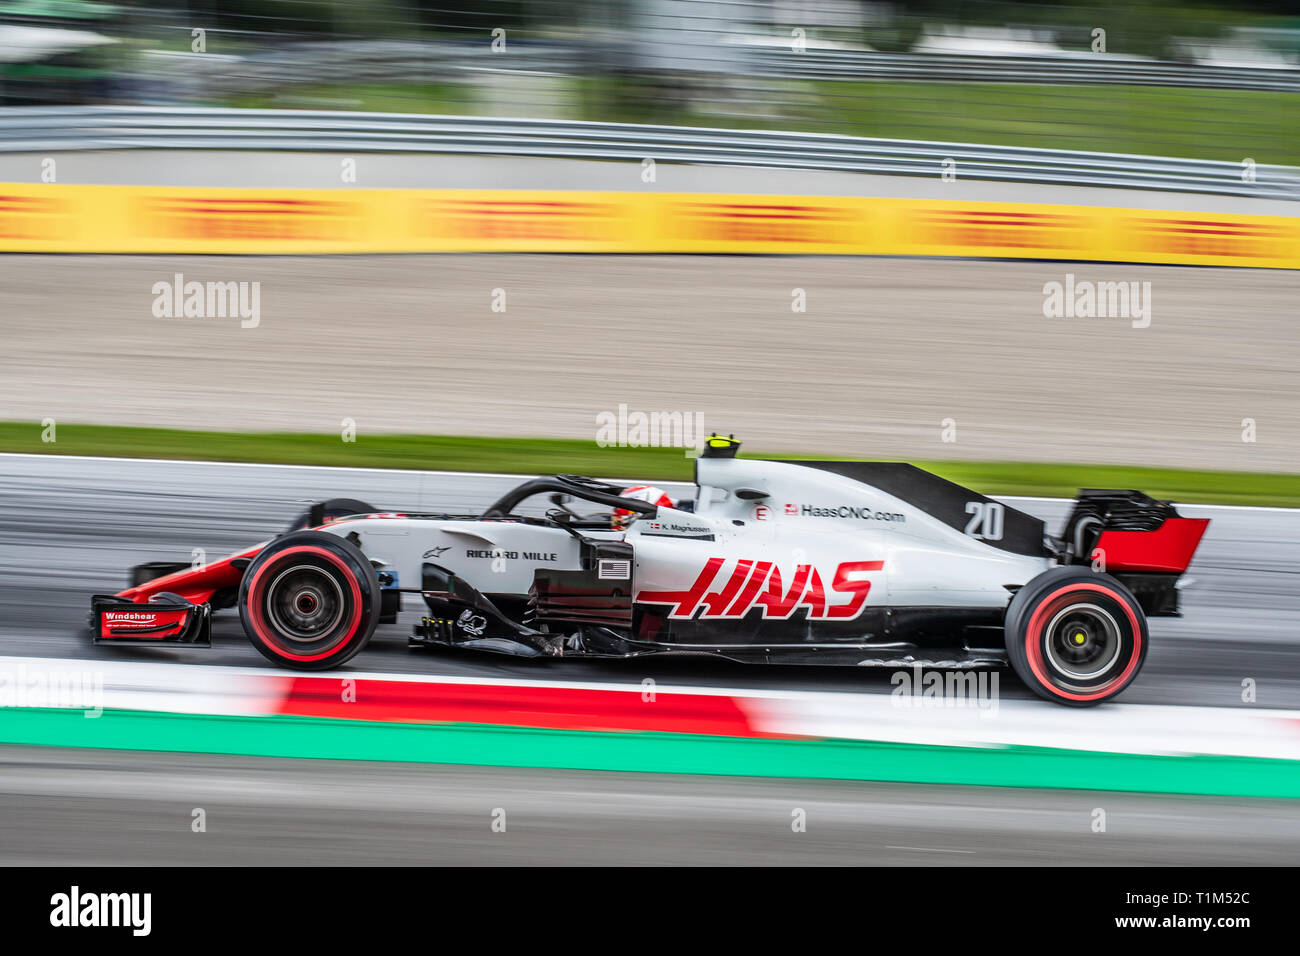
(146,219)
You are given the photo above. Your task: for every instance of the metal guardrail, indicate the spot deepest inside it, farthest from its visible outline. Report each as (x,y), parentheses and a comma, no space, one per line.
(955,67)
(40,129)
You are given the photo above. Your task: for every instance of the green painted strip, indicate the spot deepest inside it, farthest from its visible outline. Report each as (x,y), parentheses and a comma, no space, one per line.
(494,746)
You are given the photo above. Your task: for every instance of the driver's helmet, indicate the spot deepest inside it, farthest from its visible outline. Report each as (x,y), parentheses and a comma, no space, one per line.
(656,496)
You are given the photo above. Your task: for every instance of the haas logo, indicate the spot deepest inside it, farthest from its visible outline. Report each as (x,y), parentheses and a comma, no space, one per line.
(754,584)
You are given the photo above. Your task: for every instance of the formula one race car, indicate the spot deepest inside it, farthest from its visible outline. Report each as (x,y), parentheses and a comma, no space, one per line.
(783,562)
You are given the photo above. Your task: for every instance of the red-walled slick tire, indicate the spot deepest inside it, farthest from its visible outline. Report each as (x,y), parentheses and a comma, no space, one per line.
(1076,637)
(309,600)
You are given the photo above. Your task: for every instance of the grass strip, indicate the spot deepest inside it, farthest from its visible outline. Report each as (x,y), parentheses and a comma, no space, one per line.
(554,455)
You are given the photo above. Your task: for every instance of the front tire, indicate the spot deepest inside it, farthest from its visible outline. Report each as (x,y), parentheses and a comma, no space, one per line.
(1075,636)
(309,601)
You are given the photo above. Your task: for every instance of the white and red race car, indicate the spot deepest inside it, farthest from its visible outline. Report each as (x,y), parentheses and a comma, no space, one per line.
(816,562)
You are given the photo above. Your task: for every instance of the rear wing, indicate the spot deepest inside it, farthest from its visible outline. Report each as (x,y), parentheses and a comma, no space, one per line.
(1141,540)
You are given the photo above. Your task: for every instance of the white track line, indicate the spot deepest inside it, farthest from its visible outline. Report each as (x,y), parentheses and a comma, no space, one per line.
(1110,728)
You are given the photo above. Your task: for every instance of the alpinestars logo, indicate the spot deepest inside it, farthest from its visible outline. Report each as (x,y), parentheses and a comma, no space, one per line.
(759,584)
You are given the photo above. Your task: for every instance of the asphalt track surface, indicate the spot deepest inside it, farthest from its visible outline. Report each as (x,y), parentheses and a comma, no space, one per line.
(80,807)
(72,526)
(887,351)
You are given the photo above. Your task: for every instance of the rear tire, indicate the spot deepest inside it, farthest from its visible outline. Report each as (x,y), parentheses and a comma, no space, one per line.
(1075,636)
(309,601)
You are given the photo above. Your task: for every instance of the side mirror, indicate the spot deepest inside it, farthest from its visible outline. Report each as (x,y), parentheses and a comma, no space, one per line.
(561,501)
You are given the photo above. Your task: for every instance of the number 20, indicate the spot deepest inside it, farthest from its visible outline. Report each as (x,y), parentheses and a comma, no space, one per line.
(986,520)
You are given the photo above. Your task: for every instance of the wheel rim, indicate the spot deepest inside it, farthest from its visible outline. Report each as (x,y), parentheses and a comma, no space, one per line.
(304,603)
(1083,642)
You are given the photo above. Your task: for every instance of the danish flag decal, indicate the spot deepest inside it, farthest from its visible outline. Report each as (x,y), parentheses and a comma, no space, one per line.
(759,584)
